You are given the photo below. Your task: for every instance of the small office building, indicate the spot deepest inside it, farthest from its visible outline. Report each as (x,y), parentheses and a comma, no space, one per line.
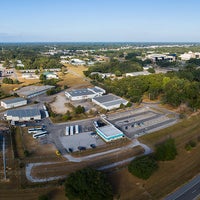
(13,102)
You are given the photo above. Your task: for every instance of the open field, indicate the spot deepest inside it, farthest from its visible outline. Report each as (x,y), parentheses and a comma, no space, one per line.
(74,77)
(54,193)
(171,174)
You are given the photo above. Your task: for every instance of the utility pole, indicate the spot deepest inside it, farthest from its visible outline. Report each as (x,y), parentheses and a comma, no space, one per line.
(4,158)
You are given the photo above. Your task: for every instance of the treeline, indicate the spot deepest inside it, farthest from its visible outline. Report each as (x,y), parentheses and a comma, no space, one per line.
(143,167)
(40,62)
(174,88)
(10,81)
(132,65)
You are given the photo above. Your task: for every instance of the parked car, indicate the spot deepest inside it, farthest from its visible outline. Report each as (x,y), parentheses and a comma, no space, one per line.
(70,150)
(93,146)
(81,148)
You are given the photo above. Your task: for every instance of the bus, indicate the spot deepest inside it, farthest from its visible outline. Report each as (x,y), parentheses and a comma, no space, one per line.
(76,129)
(39,134)
(67,130)
(71,130)
(44,107)
(34,130)
(96,124)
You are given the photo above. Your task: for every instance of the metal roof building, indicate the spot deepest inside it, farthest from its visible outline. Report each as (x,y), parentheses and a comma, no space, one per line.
(108,132)
(109,101)
(23,115)
(32,91)
(85,93)
(13,102)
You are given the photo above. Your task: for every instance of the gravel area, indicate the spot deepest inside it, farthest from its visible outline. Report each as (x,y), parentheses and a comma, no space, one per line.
(58,105)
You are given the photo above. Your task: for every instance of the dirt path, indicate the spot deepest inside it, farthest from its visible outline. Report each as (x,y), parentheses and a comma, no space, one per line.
(134,143)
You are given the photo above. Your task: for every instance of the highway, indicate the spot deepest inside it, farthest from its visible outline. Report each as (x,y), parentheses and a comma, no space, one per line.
(189,191)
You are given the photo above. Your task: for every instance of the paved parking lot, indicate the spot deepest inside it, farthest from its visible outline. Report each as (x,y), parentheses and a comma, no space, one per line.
(141,122)
(82,139)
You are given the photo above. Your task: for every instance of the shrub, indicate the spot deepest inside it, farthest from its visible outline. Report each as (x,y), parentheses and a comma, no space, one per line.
(166,150)
(143,167)
(191,144)
(43,197)
(26,153)
(188,147)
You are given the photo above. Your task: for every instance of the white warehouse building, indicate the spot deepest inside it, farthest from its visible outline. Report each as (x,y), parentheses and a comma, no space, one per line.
(23,115)
(86,93)
(109,101)
(12,103)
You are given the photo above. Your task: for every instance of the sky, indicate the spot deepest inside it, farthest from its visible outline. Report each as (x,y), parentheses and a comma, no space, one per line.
(99,21)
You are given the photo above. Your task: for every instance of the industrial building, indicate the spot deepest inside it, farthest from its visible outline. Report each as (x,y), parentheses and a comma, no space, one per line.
(109,101)
(108,132)
(12,103)
(32,91)
(85,93)
(21,115)
(142,73)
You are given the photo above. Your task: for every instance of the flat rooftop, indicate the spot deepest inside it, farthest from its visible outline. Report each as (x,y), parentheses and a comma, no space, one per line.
(110,131)
(28,90)
(23,112)
(110,99)
(96,89)
(80,92)
(13,100)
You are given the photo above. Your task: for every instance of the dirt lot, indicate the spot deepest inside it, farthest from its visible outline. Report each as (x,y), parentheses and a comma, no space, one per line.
(60,104)
(36,149)
(167,178)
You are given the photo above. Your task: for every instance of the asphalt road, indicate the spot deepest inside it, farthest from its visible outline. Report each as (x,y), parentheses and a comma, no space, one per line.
(189,191)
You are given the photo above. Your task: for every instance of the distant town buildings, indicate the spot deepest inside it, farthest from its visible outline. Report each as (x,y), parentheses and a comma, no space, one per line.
(76,61)
(137,73)
(189,55)
(50,75)
(158,57)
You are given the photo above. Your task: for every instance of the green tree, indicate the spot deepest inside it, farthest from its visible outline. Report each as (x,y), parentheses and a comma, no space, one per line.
(42,77)
(143,167)
(88,184)
(151,70)
(7,81)
(79,109)
(166,150)
(6,64)
(36,71)
(118,73)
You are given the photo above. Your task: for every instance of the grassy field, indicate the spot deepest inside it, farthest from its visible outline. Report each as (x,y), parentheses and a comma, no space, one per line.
(171,174)
(74,77)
